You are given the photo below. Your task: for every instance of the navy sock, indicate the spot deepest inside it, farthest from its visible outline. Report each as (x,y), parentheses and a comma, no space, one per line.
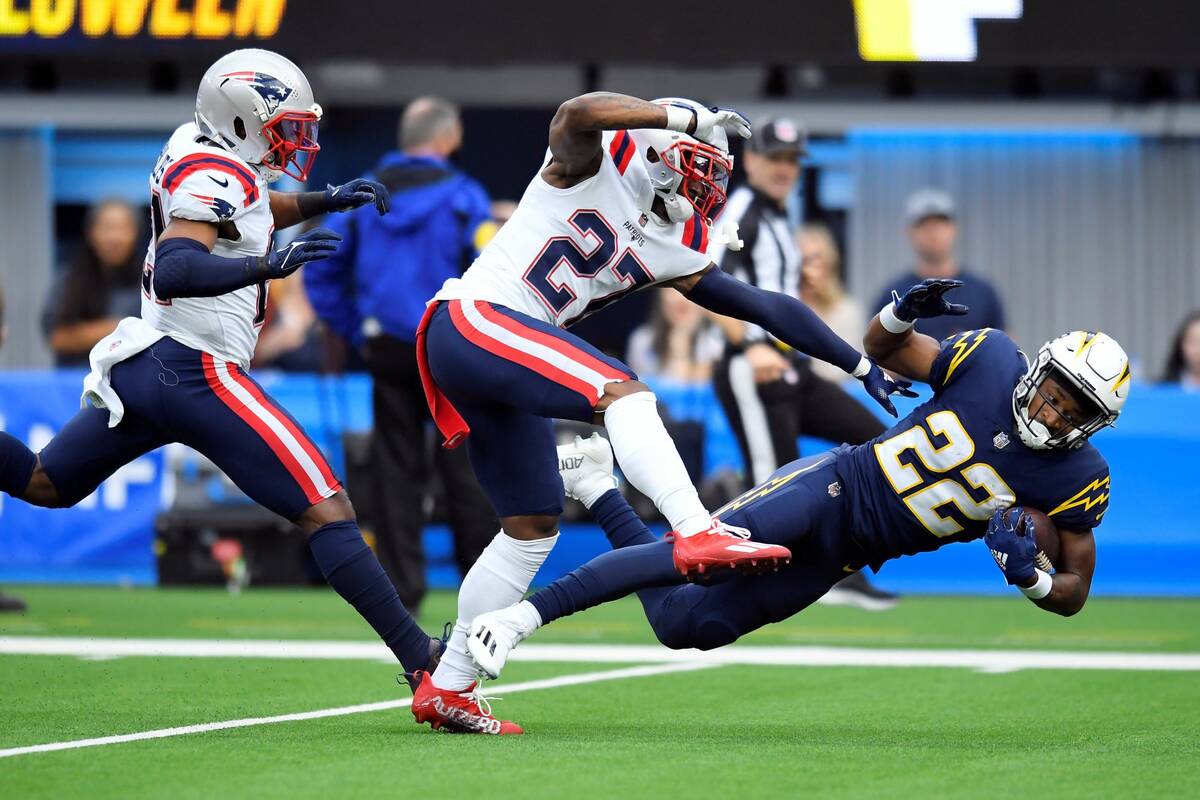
(355,574)
(17,463)
(607,577)
(620,522)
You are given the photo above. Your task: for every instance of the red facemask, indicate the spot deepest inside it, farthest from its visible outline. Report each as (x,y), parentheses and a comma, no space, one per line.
(292,137)
(705,171)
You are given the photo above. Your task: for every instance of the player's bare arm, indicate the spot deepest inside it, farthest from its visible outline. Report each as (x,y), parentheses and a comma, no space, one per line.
(790,321)
(1072,579)
(292,208)
(890,338)
(577,126)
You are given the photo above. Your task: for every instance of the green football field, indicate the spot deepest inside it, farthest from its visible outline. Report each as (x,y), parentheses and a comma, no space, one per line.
(942,697)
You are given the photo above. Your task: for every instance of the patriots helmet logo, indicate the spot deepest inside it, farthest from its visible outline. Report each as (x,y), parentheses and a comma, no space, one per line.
(222,209)
(269,88)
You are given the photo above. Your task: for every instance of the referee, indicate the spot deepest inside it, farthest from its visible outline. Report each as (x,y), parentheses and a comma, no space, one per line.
(771,395)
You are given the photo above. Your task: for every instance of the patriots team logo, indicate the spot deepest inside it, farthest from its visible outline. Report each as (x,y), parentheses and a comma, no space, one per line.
(219,207)
(271,89)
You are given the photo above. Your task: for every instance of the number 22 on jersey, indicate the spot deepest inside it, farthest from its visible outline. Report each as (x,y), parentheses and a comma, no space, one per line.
(928,499)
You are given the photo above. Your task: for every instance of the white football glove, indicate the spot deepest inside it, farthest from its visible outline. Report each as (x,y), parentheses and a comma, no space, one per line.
(680,118)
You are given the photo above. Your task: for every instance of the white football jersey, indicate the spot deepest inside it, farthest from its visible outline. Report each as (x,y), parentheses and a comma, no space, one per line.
(566,253)
(199,181)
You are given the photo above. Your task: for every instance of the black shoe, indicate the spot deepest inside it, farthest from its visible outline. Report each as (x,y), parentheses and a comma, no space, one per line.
(856,591)
(10,603)
(436,648)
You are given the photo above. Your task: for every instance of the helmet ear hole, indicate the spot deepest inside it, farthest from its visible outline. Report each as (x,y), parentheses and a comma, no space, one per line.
(651,155)
(239,127)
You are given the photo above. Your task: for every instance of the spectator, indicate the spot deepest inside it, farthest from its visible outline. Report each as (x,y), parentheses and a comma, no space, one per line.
(101,286)
(289,340)
(932,230)
(771,396)
(679,343)
(7,601)
(373,293)
(821,290)
(1183,365)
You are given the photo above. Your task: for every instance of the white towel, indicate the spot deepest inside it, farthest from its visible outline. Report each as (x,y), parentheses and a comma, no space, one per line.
(132,336)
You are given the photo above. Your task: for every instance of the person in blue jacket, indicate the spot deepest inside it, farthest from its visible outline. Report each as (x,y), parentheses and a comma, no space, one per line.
(373,292)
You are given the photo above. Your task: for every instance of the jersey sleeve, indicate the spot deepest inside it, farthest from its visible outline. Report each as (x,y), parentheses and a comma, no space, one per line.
(986,351)
(209,188)
(1087,502)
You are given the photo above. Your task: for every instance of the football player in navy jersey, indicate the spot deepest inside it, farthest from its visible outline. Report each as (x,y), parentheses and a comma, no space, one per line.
(998,432)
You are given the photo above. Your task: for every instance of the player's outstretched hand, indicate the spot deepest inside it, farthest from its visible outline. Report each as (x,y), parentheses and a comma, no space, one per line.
(358,192)
(708,119)
(1011,539)
(880,385)
(313,245)
(927,299)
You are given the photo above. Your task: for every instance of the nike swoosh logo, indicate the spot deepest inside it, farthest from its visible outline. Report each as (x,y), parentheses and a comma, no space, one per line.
(224,183)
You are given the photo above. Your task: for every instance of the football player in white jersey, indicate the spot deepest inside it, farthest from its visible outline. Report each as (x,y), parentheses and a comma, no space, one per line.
(178,374)
(625,199)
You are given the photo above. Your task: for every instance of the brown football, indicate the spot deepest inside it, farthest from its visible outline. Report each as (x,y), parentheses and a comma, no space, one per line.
(1046,533)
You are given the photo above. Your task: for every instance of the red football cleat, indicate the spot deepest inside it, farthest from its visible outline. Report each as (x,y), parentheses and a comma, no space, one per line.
(466,711)
(725,546)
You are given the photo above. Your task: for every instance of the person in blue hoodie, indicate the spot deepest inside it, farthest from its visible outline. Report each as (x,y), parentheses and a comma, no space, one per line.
(373,292)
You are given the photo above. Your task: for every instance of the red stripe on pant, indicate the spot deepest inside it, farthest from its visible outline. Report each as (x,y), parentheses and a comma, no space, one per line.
(530,362)
(567,349)
(281,451)
(314,452)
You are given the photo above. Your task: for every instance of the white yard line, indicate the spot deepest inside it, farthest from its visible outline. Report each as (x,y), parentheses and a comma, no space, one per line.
(364,708)
(983,660)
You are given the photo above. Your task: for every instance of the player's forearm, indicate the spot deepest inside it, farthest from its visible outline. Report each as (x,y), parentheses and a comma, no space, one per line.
(784,317)
(185,268)
(881,344)
(292,208)
(1068,593)
(607,111)
(907,353)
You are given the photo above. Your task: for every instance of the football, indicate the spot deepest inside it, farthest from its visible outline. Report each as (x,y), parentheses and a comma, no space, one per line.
(1047,539)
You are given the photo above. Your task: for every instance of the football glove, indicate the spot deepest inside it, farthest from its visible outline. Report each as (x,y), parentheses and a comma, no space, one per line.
(706,121)
(926,299)
(1011,539)
(355,193)
(879,385)
(313,245)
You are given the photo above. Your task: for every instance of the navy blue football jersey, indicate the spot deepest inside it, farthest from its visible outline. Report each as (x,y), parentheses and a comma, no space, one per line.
(938,474)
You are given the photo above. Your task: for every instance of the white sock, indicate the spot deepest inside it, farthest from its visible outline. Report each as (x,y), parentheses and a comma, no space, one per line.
(529,616)
(498,579)
(650,462)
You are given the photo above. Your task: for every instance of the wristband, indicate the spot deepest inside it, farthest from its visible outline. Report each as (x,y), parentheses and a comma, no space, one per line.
(1040,589)
(313,204)
(864,366)
(679,118)
(891,323)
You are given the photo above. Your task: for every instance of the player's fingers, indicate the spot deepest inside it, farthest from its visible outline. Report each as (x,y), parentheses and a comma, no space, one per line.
(383,200)
(956,309)
(321,235)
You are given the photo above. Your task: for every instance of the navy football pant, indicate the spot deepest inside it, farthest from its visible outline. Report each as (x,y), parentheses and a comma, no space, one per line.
(173,393)
(800,506)
(509,375)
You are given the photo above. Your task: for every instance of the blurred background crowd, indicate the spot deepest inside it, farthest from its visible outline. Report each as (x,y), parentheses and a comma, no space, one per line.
(1060,183)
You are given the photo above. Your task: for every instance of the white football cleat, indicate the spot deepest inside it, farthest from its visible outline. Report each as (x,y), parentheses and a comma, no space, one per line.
(494,635)
(586,467)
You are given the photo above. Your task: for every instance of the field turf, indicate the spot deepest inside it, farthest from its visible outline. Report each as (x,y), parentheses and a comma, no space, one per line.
(721,731)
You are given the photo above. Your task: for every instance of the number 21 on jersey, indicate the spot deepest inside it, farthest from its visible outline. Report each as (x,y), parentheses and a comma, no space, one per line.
(928,500)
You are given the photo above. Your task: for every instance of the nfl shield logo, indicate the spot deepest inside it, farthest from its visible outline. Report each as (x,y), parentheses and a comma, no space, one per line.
(1000,440)
(835,489)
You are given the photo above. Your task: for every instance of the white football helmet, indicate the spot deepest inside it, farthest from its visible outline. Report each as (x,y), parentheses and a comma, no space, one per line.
(259,105)
(689,175)
(1093,367)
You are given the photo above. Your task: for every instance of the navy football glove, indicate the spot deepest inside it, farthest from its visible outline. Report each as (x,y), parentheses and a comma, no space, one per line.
(355,193)
(926,300)
(1011,539)
(313,245)
(879,385)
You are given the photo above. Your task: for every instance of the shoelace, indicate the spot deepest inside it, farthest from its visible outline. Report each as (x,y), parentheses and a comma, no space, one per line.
(481,700)
(731,530)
